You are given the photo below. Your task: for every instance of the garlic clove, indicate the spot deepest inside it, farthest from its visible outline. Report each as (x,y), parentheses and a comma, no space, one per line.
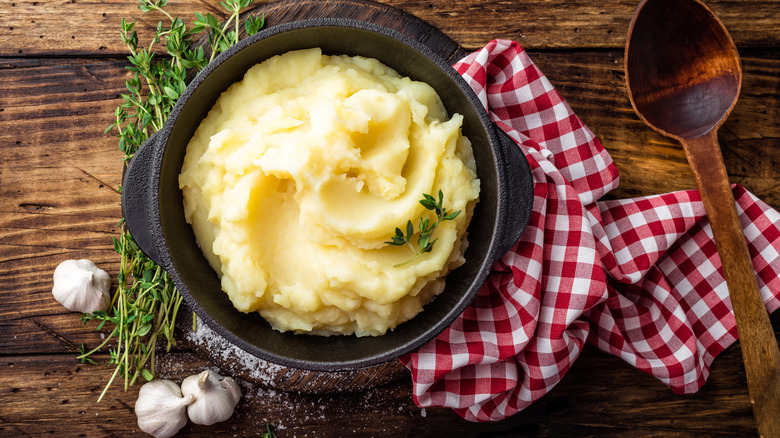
(160,408)
(231,385)
(215,397)
(81,286)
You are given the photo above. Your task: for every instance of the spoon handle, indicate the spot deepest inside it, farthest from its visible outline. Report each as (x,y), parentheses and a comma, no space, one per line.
(756,337)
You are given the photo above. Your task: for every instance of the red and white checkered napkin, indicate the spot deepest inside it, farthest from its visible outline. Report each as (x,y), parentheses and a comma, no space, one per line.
(638,278)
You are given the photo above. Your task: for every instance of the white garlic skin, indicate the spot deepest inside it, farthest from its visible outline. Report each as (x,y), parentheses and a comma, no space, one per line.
(81,286)
(160,408)
(216,397)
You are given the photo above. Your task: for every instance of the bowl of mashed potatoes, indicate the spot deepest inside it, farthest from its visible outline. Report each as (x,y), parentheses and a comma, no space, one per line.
(328,194)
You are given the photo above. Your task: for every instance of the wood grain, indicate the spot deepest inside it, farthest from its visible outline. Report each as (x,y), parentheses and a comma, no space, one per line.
(58,199)
(56,28)
(66,392)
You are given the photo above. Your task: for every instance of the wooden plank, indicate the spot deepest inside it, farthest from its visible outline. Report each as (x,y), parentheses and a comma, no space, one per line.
(92,27)
(594,86)
(58,199)
(593,398)
(59,171)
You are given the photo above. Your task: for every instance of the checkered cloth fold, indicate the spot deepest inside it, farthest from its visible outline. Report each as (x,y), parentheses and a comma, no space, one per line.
(637,278)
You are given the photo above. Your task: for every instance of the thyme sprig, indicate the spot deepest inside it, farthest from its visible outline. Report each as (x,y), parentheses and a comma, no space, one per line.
(426,229)
(145,303)
(144,307)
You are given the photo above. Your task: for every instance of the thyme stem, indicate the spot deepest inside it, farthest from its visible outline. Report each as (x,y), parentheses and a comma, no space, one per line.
(145,305)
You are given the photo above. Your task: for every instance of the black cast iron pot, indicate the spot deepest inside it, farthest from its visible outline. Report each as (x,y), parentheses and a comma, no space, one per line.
(152,201)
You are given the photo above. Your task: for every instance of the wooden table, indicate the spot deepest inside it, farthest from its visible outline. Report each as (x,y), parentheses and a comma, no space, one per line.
(62,65)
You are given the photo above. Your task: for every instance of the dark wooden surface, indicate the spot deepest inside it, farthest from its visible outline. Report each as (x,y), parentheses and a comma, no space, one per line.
(61,73)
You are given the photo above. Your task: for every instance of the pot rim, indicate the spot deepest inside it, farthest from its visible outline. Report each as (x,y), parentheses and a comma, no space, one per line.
(495,246)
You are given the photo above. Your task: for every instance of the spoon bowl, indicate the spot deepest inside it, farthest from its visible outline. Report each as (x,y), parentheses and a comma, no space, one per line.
(684,76)
(682,67)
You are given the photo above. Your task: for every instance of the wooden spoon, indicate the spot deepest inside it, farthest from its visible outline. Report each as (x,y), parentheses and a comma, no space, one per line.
(683,73)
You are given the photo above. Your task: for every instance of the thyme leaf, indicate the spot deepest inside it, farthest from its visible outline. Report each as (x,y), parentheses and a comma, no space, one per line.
(425,228)
(145,304)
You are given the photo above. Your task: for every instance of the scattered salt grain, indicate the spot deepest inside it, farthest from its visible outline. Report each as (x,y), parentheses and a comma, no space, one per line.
(255,369)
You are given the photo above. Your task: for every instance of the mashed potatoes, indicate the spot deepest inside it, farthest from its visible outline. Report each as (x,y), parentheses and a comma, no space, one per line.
(302,171)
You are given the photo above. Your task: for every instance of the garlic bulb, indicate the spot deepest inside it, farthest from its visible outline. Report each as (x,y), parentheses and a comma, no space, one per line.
(81,286)
(215,397)
(160,408)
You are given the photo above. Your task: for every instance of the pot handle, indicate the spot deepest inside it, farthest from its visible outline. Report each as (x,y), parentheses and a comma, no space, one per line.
(518,192)
(137,199)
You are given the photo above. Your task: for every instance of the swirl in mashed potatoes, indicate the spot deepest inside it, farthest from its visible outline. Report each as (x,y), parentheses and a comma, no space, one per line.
(300,173)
